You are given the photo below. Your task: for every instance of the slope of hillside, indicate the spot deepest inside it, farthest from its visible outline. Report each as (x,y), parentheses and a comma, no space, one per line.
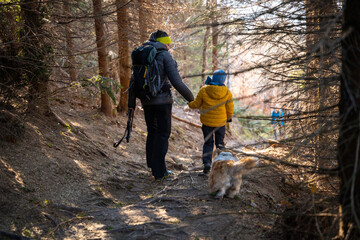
(64,179)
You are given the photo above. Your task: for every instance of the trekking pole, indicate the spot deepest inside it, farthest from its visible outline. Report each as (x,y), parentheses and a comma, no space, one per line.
(129,124)
(127,133)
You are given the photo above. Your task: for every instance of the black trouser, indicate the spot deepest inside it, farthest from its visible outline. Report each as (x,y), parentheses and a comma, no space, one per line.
(208,147)
(158,122)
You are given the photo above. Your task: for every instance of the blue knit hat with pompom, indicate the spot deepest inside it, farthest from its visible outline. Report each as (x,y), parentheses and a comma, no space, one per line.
(219,77)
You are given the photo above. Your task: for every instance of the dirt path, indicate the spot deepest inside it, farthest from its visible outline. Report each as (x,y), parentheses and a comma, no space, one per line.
(177,208)
(70,183)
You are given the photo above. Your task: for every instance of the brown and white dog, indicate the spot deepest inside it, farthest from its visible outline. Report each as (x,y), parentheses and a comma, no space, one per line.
(226,173)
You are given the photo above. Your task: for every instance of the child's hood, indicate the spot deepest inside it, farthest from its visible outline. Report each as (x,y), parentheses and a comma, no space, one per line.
(216,92)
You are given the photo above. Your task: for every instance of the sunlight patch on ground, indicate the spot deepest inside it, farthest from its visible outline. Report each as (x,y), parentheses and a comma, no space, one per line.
(82,231)
(122,147)
(140,131)
(32,231)
(13,227)
(32,126)
(184,158)
(18,177)
(143,197)
(76,124)
(140,216)
(124,153)
(83,167)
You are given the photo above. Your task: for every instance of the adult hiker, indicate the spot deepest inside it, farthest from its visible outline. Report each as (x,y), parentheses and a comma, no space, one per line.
(216,108)
(157,109)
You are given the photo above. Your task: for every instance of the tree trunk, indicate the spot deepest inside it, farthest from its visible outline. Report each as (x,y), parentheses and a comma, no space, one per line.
(312,37)
(215,35)
(35,51)
(69,43)
(142,21)
(106,104)
(326,63)
(320,14)
(205,45)
(123,46)
(349,133)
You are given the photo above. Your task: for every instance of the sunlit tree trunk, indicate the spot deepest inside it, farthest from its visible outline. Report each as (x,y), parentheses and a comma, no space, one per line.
(69,43)
(349,134)
(123,46)
(106,104)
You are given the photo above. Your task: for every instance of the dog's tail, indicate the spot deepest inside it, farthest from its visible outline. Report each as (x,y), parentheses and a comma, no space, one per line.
(245,164)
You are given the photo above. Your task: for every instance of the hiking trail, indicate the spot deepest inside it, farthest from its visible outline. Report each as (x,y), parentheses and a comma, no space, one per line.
(65,180)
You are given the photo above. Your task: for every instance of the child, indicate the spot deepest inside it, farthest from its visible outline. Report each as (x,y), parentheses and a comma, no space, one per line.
(216,108)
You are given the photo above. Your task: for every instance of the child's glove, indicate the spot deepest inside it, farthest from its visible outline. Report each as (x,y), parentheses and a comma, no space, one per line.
(229,120)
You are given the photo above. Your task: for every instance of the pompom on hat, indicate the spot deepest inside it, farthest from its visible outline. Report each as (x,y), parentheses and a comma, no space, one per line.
(219,77)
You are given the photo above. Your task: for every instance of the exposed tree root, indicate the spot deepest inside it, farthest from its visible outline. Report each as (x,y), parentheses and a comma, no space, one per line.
(51,233)
(160,199)
(67,208)
(54,221)
(183,120)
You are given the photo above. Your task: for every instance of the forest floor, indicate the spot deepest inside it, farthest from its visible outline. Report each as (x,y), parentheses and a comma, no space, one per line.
(69,182)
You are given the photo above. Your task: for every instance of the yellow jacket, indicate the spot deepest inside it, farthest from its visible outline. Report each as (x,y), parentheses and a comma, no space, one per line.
(216,105)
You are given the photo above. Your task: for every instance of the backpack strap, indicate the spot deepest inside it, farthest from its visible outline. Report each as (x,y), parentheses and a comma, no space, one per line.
(162,83)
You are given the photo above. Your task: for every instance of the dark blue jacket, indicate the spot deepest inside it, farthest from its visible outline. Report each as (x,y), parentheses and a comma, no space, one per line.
(169,74)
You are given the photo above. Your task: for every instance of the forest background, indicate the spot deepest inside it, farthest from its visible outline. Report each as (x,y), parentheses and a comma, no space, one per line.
(301,55)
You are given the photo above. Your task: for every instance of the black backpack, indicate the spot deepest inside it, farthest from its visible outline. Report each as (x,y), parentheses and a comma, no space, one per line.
(145,76)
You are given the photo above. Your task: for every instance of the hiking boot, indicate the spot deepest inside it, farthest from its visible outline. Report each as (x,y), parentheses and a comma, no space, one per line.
(166,175)
(207,167)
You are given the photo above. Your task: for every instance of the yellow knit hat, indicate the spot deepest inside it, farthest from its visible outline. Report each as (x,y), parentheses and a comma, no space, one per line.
(164,40)
(162,37)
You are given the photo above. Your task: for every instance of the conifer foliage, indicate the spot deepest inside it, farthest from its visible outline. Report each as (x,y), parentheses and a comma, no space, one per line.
(302,55)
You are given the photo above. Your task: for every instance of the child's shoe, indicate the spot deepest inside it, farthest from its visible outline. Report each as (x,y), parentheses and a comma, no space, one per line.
(166,175)
(207,167)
